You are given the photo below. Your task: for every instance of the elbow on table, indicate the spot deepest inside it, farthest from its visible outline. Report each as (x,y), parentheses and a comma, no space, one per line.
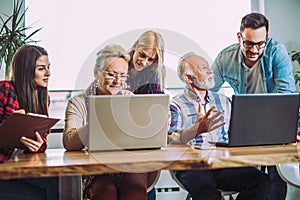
(72,142)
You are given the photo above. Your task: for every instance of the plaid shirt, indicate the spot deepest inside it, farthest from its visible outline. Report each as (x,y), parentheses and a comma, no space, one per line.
(9,103)
(184,108)
(144,82)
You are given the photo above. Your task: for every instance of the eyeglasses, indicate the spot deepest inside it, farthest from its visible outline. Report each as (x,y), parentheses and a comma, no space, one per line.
(114,76)
(249,44)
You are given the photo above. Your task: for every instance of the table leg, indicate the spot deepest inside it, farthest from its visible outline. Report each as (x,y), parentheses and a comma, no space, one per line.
(70,187)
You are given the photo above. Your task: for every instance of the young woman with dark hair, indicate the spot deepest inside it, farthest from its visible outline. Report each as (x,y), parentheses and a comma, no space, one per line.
(27,92)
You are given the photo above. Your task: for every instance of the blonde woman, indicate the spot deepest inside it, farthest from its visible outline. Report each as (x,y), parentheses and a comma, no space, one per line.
(147,73)
(146,67)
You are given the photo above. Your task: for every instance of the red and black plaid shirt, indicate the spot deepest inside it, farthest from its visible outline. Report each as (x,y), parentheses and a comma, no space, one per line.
(9,103)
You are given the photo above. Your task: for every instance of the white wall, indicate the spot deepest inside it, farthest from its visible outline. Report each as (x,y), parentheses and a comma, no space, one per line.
(73,29)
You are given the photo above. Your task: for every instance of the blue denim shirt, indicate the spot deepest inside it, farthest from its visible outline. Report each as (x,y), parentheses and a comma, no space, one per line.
(276,66)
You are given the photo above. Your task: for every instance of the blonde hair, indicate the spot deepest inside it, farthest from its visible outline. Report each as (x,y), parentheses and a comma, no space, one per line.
(108,52)
(152,39)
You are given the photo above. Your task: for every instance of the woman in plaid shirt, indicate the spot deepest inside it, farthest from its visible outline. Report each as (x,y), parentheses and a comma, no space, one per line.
(27,93)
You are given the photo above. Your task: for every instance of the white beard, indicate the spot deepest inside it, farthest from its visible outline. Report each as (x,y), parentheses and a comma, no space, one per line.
(206,84)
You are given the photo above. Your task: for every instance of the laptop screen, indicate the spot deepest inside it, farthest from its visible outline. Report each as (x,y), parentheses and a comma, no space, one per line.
(263,119)
(128,122)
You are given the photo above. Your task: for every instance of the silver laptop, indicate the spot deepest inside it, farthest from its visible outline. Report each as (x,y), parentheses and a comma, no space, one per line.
(263,119)
(118,122)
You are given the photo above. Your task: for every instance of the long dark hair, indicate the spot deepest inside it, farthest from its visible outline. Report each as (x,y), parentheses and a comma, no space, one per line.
(31,97)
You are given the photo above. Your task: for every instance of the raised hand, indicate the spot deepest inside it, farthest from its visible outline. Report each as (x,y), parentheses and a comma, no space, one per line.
(210,121)
(204,123)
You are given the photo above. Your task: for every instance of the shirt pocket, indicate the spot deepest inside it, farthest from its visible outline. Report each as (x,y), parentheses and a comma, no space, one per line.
(233,81)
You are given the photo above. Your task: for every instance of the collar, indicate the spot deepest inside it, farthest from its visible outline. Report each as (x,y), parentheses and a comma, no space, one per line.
(241,56)
(193,97)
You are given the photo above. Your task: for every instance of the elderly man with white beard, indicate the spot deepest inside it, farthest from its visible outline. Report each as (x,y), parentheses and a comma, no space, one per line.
(199,116)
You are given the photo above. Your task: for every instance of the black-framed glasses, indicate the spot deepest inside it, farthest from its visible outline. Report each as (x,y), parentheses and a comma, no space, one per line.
(249,44)
(114,76)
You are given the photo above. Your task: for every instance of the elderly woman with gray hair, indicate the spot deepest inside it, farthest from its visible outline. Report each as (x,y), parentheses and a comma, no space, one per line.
(110,74)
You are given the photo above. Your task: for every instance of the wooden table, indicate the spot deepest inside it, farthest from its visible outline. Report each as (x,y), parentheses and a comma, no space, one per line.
(58,162)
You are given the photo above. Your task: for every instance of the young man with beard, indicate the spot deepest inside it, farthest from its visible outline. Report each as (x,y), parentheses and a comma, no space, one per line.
(197,115)
(257,64)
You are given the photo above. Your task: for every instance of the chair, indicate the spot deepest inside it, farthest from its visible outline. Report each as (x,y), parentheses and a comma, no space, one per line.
(154,181)
(225,193)
(188,197)
(290,173)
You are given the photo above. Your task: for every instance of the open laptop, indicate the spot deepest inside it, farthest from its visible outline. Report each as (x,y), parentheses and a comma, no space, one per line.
(263,119)
(118,122)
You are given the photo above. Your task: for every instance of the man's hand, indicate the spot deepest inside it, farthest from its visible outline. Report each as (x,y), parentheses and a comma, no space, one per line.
(210,121)
(204,123)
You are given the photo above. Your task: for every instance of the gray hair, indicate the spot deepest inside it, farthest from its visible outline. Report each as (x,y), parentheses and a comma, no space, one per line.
(110,51)
(183,66)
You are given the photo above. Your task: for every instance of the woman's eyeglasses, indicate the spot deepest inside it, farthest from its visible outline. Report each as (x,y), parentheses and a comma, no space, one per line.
(248,44)
(114,76)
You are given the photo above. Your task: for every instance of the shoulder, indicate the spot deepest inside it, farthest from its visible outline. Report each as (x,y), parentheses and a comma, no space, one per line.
(227,56)
(7,87)
(179,100)
(6,84)
(232,49)
(78,99)
(8,97)
(77,106)
(271,42)
(218,96)
(273,46)
(178,97)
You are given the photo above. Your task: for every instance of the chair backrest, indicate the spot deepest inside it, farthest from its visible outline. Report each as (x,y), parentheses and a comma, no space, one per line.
(151,186)
(175,179)
(290,173)
(188,196)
